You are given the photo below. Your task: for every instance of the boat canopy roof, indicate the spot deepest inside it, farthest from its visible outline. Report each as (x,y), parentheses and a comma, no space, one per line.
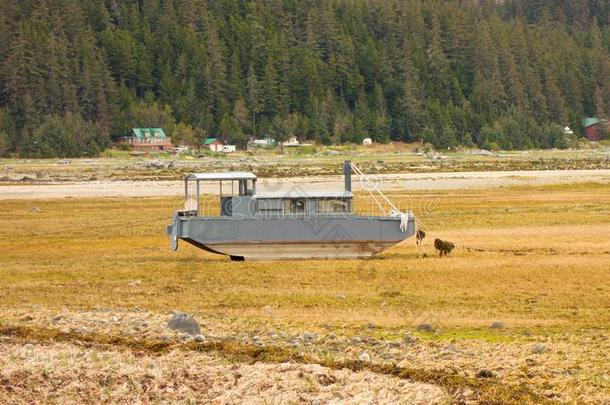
(222,176)
(304,194)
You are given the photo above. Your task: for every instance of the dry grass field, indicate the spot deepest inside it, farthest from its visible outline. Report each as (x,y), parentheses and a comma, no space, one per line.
(87,287)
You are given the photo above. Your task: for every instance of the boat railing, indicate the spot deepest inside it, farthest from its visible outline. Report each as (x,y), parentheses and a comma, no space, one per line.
(190,197)
(362,204)
(209,205)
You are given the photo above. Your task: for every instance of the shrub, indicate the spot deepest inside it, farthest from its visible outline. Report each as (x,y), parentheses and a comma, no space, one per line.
(66,136)
(124,146)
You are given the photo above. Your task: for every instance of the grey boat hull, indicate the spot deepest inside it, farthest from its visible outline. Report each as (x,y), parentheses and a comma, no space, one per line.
(319,237)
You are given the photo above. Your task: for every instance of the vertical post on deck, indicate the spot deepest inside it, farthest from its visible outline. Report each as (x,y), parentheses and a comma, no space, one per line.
(197,190)
(186,192)
(347,173)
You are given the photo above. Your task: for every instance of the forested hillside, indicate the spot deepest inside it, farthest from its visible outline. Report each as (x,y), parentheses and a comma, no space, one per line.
(505,74)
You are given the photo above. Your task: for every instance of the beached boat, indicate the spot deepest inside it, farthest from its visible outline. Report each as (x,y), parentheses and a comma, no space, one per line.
(287,225)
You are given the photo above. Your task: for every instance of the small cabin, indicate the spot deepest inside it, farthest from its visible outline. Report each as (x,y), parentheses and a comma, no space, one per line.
(595,129)
(213,144)
(291,142)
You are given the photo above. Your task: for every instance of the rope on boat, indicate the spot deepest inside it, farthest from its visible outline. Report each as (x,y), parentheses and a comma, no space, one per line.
(372,187)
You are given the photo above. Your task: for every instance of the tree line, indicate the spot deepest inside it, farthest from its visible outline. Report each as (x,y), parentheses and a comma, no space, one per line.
(511,74)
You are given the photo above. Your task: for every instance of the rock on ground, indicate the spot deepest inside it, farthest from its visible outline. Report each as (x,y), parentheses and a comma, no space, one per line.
(425,327)
(539,348)
(184,323)
(498,325)
(365,357)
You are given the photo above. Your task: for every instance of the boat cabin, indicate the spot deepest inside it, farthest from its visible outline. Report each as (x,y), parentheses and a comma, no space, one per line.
(234,186)
(238,198)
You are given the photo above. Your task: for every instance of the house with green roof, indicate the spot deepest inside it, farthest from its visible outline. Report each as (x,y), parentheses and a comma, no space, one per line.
(148,139)
(595,129)
(213,144)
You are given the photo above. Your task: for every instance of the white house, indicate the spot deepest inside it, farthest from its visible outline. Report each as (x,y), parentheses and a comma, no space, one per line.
(293,141)
(263,142)
(367,141)
(182,149)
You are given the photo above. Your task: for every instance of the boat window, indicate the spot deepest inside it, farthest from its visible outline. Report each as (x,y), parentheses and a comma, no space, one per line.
(294,206)
(246,187)
(330,206)
(269,206)
(226,206)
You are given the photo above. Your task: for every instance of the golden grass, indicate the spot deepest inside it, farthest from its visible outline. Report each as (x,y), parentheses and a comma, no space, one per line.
(546,263)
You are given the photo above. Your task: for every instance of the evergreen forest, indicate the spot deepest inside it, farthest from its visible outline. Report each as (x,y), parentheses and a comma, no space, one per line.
(76,74)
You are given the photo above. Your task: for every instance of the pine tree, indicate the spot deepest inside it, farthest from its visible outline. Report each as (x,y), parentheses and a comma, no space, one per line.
(270,95)
(241,115)
(254,103)
(600,104)
(437,65)
(279,131)
(554,98)
(488,92)
(409,112)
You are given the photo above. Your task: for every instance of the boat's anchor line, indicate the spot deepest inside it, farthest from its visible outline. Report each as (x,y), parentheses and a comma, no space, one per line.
(372,186)
(292,225)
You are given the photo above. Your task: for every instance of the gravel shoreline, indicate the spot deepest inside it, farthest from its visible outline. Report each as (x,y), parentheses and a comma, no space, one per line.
(405,181)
